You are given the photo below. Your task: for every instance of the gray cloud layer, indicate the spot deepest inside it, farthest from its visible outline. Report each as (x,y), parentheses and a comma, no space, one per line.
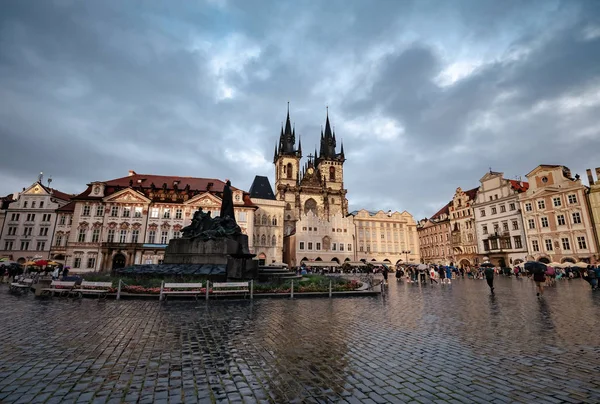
(425,94)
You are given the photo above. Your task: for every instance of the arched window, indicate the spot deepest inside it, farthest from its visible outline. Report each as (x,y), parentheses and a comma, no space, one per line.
(332,173)
(263,240)
(254,239)
(257,219)
(264,220)
(274,221)
(273,241)
(310,206)
(289,170)
(288,206)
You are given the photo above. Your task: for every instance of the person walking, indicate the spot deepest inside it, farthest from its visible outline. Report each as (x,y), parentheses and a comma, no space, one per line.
(591,278)
(489,277)
(384,272)
(448,275)
(539,277)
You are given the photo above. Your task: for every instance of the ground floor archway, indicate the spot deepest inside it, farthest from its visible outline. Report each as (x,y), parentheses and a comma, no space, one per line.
(568,259)
(118,261)
(464,263)
(545,260)
(335,259)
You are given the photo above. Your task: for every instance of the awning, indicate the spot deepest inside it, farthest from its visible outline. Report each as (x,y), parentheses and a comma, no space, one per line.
(321,264)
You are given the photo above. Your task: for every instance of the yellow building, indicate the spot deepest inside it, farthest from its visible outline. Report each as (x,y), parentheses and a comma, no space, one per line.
(594,204)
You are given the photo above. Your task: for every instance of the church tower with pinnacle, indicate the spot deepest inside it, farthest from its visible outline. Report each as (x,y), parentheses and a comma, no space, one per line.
(317,186)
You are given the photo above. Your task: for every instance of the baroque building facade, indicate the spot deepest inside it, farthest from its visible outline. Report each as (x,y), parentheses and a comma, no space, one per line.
(594,203)
(267,236)
(498,220)
(462,225)
(130,220)
(385,237)
(557,219)
(435,246)
(30,222)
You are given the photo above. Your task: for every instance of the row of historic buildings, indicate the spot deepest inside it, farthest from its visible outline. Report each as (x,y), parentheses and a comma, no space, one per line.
(553,218)
(130,220)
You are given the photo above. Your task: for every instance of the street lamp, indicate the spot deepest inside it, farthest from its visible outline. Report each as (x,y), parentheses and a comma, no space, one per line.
(406,252)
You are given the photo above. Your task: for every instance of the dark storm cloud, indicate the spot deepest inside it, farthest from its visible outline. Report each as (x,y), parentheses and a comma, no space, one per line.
(426,95)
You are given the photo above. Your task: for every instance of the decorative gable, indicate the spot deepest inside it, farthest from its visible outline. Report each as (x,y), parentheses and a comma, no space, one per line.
(205,200)
(127,196)
(36,189)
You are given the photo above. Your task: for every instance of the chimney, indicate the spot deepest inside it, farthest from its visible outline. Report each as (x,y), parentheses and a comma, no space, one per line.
(209,186)
(131,172)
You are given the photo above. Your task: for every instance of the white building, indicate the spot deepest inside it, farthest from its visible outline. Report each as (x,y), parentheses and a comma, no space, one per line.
(498,220)
(30,222)
(267,233)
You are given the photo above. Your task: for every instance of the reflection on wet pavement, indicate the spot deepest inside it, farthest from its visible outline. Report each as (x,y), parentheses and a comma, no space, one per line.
(422,344)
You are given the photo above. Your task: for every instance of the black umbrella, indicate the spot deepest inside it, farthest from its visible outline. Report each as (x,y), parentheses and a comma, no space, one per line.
(487,265)
(533,266)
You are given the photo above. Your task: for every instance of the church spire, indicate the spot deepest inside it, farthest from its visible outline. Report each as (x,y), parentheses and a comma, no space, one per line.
(275,154)
(299,142)
(288,125)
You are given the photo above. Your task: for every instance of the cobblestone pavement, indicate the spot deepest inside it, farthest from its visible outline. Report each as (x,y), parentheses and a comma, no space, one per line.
(422,344)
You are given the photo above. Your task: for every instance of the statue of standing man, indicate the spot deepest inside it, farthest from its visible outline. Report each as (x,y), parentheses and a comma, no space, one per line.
(227,203)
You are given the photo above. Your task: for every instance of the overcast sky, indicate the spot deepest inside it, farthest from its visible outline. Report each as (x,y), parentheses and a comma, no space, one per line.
(426,95)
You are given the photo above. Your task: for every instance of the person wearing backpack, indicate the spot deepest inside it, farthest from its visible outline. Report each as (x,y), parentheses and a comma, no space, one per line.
(592,278)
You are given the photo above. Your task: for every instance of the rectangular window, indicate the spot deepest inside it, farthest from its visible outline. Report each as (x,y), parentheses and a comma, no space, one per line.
(41,245)
(41,204)
(126,211)
(581,242)
(560,219)
(548,245)
(114,211)
(8,245)
(91,262)
(310,246)
(556,201)
(154,213)
(382,236)
(531,223)
(176,234)
(28,231)
(494,244)
(302,245)
(243,218)
(135,234)
(482,212)
(518,242)
(341,246)
(541,204)
(15,217)
(58,242)
(576,218)
(33,205)
(81,236)
(528,207)
(164,237)
(30,217)
(137,212)
(566,245)
(502,208)
(86,210)
(179,214)
(494,210)
(167,214)
(333,246)
(24,245)
(515,225)
(535,245)
(572,199)
(349,247)
(512,206)
(123,236)
(100,210)
(77,263)
(95,235)
(318,246)
(25,204)
(43,231)
(12,231)
(544,221)
(486,245)
(504,226)
(62,220)
(110,238)
(505,243)
(70,221)
(496,228)
(47,217)
(151,236)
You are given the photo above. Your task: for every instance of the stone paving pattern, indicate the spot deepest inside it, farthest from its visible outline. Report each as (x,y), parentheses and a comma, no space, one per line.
(417,344)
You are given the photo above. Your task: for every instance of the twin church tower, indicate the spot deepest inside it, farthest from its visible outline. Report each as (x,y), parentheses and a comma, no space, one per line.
(316,186)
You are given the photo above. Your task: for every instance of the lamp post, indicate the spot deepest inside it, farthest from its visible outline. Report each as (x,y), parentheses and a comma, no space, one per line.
(406,252)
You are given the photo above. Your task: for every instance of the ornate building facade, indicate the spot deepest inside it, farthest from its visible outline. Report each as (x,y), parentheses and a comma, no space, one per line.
(594,203)
(267,236)
(30,223)
(462,225)
(130,220)
(435,246)
(385,237)
(556,215)
(498,220)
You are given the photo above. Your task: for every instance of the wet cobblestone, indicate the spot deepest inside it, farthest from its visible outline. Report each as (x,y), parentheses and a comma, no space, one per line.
(432,344)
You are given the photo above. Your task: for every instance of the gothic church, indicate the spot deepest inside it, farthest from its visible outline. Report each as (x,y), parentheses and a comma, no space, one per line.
(316,186)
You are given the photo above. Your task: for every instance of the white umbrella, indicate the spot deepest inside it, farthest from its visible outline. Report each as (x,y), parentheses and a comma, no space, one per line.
(7,263)
(422,266)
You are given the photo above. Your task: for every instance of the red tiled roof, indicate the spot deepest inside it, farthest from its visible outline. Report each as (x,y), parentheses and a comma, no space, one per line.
(444,210)
(472,193)
(519,186)
(69,207)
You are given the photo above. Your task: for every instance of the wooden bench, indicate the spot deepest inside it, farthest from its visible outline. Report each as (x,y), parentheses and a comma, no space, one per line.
(93,288)
(230,288)
(182,289)
(62,287)
(22,286)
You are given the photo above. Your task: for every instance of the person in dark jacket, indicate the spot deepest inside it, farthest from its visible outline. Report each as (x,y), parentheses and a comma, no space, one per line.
(592,278)
(489,277)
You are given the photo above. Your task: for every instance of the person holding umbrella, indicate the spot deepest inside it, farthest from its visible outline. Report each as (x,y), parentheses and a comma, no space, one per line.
(489,274)
(539,274)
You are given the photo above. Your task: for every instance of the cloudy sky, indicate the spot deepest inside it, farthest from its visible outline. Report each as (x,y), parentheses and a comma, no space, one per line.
(426,95)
